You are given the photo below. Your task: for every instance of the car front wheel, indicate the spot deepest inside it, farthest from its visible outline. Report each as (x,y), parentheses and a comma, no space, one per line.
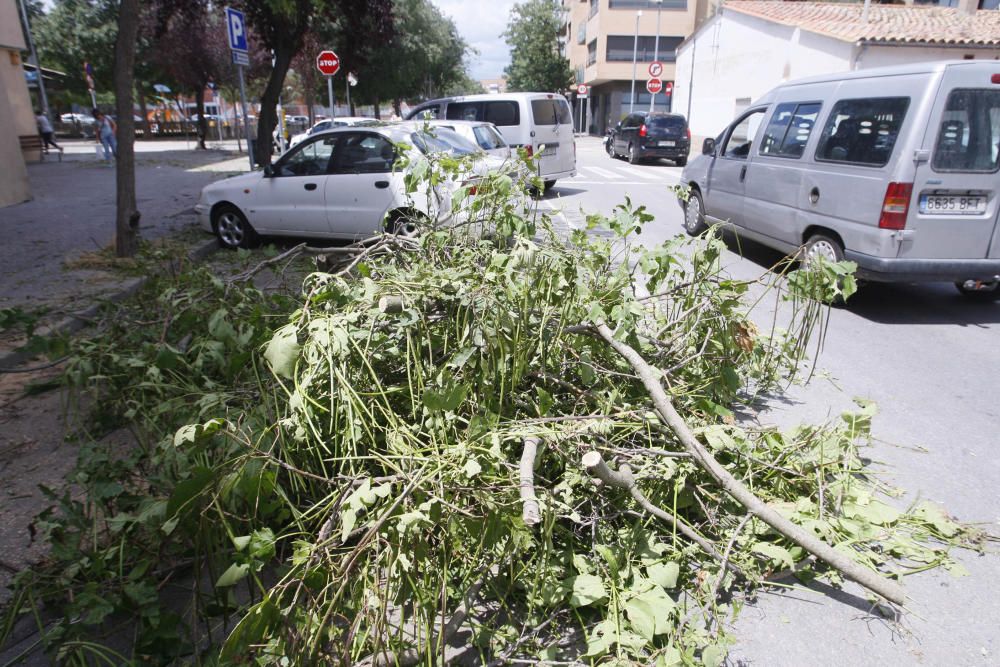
(694,214)
(233,229)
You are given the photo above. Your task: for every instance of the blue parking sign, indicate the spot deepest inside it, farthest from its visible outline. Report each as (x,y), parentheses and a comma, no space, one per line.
(236,26)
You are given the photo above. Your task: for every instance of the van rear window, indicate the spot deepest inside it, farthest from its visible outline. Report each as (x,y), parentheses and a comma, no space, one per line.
(551,112)
(667,122)
(500,113)
(862,131)
(969,134)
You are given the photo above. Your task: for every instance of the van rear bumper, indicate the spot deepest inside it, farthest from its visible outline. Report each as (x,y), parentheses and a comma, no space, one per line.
(900,270)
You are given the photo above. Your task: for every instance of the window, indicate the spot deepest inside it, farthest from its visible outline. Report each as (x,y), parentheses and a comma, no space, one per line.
(789,129)
(595,6)
(592,52)
(581,33)
(311,159)
(741,137)
(862,131)
(667,123)
(364,154)
(969,136)
(488,138)
(622,47)
(551,112)
(500,114)
(427,113)
(646,4)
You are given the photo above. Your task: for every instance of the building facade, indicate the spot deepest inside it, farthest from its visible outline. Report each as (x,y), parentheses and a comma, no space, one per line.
(751,46)
(611,43)
(17,118)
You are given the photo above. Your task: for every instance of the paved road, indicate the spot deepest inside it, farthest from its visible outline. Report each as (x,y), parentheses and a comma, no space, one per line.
(931,360)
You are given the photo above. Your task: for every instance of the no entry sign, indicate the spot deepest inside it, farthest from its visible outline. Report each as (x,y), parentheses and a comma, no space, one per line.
(655,69)
(328,63)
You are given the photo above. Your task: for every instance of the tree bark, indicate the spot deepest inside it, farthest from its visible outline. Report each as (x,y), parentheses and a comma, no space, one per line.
(378,110)
(127,217)
(871,580)
(397,106)
(199,101)
(268,118)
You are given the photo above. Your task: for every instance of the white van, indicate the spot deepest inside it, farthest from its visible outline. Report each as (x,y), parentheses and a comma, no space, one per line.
(894,168)
(526,120)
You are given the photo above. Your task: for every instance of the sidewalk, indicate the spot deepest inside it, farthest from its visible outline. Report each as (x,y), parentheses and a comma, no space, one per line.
(47,265)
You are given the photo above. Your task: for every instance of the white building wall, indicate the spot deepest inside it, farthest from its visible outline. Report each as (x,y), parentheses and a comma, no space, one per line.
(735,59)
(739,58)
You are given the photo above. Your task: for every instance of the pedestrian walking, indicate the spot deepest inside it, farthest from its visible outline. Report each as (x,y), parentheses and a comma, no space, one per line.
(45,129)
(106,129)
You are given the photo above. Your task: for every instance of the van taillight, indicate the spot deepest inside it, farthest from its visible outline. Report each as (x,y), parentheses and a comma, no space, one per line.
(642,130)
(529,149)
(895,206)
(995,78)
(689,134)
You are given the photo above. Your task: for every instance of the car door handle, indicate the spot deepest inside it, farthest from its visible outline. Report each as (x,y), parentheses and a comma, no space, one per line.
(310,186)
(743,173)
(381,185)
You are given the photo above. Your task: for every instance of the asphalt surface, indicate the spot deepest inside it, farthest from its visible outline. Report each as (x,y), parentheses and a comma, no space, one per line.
(931,361)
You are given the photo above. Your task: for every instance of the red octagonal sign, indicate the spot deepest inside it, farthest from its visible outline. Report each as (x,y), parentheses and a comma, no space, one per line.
(654,86)
(328,63)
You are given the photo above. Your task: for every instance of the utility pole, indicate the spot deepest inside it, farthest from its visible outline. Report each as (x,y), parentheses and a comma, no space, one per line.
(635,55)
(656,47)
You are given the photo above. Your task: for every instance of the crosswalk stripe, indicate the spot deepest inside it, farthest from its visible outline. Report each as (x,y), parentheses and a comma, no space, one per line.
(631,171)
(603,173)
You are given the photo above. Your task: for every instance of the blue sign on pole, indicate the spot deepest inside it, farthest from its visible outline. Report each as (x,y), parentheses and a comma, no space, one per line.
(236,26)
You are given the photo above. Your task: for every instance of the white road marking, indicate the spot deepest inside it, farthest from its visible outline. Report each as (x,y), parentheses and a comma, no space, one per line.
(557,213)
(641,173)
(576,182)
(603,173)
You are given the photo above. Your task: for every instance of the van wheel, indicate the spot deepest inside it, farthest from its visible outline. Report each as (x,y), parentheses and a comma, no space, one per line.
(820,245)
(549,184)
(233,229)
(978,290)
(681,161)
(633,154)
(694,214)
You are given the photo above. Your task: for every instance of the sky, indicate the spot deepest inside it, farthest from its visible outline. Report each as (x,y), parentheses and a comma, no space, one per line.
(480,23)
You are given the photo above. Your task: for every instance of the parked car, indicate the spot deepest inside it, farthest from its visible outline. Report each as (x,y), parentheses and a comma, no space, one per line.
(651,134)
(482,134)
(893,168)
(82,118)
(330,123)
(336,184)
(533,121)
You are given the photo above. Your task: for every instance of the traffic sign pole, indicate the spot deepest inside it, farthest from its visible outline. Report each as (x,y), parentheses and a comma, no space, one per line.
(246,118)
(329,92)
(237,33)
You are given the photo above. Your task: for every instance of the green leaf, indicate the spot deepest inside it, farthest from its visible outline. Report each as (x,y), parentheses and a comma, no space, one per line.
(664,574)
(348,518)
(932,514)
(585,589)
(241,542)
(283,351)
(712,655)
(197,433)
(233,575)
(774,552)
(472,468)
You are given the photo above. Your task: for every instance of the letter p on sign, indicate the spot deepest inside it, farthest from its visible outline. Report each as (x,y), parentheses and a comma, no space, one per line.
(237,30)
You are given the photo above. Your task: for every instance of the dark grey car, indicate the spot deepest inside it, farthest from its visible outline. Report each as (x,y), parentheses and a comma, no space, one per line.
(646,134)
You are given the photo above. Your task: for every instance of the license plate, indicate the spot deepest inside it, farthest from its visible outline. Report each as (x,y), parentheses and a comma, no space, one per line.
(668,143)
(953,204)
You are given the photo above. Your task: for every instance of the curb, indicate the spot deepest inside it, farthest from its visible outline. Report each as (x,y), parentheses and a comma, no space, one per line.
(72,323)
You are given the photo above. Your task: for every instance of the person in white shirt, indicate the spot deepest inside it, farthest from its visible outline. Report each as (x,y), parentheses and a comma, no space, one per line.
(45,129)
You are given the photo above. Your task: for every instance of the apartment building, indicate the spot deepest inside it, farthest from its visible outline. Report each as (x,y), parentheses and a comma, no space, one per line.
(603,38)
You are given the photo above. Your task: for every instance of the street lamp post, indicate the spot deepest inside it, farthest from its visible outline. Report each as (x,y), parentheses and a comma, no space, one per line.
(656,47)
(635,54)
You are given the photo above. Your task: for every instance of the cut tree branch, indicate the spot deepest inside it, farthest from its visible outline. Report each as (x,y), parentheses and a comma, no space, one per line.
(664,407)
(530,512)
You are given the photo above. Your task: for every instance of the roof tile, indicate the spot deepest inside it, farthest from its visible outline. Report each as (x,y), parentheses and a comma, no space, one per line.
(886,23)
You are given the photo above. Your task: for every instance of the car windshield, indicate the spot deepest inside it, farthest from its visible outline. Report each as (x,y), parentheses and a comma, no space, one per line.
(442,140)
(488,138)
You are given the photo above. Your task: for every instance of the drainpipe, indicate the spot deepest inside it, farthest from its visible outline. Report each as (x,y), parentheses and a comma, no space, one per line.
(864,12)
(968,7)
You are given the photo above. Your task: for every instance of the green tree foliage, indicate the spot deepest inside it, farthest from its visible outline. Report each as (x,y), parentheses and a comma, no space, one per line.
(74,32)
(532,35)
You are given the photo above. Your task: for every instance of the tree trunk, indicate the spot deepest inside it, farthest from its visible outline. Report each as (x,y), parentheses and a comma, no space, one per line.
(310,100)
(378,111)
(268,118)
(127,217)
(143,111)
(397,106)
(353,112)
(199,101)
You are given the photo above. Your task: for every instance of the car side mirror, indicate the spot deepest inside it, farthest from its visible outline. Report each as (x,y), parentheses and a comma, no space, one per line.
(708,147)
(268,171)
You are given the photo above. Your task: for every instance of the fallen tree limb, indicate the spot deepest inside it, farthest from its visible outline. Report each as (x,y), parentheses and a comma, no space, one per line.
(530,512)
(850,569)
(624,479)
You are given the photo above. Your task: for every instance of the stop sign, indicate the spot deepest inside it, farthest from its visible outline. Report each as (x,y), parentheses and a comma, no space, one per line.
(328,63)
(654,86)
